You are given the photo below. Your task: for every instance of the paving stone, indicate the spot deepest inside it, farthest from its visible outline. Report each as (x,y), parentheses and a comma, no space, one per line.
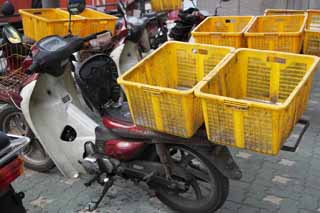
(306,211)
(244,155)
(273,199)
(284,192)
(231,205)
(248,209)
(280,180)
(237,196)
(253,201)
(308,202)
(286,162)
(288,206)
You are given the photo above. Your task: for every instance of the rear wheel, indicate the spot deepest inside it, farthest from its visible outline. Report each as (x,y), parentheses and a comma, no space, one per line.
(35,157)
(206,188)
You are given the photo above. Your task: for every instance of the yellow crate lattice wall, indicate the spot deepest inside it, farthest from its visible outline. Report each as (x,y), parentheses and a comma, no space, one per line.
(312,33)
(166,5)
(281,33)
(222,30)
(160,88)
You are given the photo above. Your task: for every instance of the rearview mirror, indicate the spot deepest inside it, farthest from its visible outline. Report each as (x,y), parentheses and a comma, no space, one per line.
(11,35)
(121,8)
(76,7)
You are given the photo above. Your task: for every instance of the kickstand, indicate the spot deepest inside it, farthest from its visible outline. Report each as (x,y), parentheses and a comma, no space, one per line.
(107,185)
(90,182)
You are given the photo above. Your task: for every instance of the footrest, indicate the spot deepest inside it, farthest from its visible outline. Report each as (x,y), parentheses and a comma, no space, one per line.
(294,140)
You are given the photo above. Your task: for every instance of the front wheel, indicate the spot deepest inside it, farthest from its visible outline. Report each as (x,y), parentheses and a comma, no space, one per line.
(34,156)
(206,188)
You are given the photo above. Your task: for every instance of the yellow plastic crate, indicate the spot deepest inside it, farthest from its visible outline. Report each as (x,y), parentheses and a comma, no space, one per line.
(166,5)
(222,30)
(160,89)
(254,98)
(269,12)
(312,33)
(281,33)
(97,21)
(39,23)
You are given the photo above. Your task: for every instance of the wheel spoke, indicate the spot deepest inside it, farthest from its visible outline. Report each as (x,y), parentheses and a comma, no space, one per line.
(201,175)
(185,160)
(197,190)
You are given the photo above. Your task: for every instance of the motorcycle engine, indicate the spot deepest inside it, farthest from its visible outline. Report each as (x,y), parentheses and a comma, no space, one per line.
(97,79)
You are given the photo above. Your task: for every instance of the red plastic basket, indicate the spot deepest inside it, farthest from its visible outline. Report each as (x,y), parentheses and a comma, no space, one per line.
(11,73)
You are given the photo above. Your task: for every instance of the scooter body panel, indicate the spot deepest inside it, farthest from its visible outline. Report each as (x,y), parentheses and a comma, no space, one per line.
(126,56)
(49,107)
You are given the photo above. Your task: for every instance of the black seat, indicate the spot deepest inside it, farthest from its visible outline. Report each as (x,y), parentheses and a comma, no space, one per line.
(4,140)
(121,114)
(152,15)
(137,23)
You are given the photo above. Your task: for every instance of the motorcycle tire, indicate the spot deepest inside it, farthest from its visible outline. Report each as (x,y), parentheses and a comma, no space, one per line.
(39,165)
(211,203)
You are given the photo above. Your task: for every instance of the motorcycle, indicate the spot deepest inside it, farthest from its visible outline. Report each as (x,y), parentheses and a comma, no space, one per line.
(189,19)
(131,39)
(187,178)
(11,167)
(12,76)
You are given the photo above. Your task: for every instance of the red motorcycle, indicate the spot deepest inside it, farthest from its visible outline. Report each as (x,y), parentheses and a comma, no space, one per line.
(11,167)
(187,178)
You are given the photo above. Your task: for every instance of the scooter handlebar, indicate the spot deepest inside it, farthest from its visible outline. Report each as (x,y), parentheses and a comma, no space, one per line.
(74,44)
(32,69)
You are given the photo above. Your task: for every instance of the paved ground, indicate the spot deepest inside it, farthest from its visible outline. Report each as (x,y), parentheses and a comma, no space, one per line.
(288,183)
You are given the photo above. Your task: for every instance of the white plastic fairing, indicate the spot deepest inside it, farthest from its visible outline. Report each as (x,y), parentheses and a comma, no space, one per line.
(48,111)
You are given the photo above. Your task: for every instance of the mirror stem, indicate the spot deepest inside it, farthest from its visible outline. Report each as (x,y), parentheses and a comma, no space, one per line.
(69,30)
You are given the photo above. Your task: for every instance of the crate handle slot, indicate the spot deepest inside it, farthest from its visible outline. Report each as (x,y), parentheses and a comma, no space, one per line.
(276,60)
(37,13)
(236,105)
(230,20)
(152,90)
(279,19)
(200,51)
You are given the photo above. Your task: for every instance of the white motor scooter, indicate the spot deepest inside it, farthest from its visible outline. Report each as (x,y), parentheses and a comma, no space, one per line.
(78,145)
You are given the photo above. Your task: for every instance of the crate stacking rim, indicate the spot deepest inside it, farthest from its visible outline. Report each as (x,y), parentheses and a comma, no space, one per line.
(223,30)
(160,88)
(11,73)
(254,99)
(277,32)
(270,12)
(312,33)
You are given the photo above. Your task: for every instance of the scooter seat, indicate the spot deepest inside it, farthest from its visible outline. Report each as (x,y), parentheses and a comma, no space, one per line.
(121,114)
(155,15)
(4,140)
(137,23)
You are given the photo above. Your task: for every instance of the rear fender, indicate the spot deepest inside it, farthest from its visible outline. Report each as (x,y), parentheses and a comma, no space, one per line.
(221,157)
